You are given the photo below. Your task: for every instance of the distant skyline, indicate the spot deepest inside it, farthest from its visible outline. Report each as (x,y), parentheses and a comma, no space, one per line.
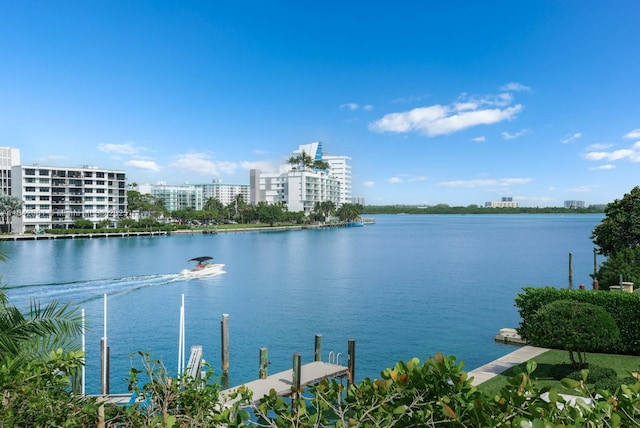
(456,102)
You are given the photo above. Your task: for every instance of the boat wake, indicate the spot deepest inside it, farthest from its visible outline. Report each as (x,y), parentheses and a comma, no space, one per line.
(84,291)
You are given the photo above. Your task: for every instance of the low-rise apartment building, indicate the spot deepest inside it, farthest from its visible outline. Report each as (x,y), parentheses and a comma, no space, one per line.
(55,197)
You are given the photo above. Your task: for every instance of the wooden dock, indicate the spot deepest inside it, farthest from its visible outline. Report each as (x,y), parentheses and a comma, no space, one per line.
(282,383)
(46,236)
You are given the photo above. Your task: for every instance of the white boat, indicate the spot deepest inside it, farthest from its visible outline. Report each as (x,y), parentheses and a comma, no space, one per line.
(203,268)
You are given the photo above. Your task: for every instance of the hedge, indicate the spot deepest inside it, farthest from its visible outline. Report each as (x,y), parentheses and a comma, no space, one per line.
(623,307)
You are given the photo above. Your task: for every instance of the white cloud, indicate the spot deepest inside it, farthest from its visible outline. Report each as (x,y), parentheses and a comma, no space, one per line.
(502,182)
(418,178)
(508,136)
(121,149)
(631,154)
(394,180)
(633,134)
(55,157)
(570,138)
(200,163)
(599,146)
(356,106)
(441,120)
(259,152)
(515,87)
(143,164)
(350,106)
(369,183)
(603,167)
(479,139)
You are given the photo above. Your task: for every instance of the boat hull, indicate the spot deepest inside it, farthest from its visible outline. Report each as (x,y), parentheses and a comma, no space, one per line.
(207,271)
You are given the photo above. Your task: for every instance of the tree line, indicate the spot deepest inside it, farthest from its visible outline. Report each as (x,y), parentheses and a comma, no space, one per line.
(475,209)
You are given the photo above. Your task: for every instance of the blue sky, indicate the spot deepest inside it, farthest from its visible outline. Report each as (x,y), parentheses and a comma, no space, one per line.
(455,102)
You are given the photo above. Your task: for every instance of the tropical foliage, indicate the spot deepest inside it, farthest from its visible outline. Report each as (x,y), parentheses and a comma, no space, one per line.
(576,327)
(349,212)
(40,365)
(620,229)
(303,161)
(623,308)
(10,206)
(270,213)
(624,264)
(323,210)
(144,203)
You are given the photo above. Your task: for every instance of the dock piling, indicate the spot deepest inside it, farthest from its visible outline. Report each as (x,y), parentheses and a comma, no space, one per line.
(570,270)
(264,363)
(224,328)
(351,363)
(297,363)
(318,348)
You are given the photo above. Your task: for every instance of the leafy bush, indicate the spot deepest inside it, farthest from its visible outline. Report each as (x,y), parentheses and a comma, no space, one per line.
(576,327)
(623,307)
(596,374)
(613,383)
(625,262)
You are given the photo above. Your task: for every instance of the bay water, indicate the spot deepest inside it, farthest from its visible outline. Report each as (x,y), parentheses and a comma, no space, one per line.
(407,286)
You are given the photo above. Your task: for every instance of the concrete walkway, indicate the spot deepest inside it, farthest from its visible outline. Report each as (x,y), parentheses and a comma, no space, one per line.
(486,372)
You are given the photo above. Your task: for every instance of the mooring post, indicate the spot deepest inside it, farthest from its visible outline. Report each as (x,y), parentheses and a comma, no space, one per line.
(264,363)
(104,367)
(318,348)
(104,355)
(595,269)
(297,359)
(224,336)
(351,364)
(570,271)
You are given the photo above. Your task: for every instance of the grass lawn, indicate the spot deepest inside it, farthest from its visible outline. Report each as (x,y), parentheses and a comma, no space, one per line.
(551,362)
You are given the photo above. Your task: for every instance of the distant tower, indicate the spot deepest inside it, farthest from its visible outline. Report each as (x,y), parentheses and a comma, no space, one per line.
(8,157)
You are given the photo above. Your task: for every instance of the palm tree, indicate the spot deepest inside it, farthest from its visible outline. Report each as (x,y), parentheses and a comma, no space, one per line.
(321,165)
(349,212)
(25,337)
(9,207)
(294,161)
(238,201)
(328,208)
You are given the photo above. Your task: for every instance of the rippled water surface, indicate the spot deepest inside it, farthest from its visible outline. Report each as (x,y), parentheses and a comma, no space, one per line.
(408,286)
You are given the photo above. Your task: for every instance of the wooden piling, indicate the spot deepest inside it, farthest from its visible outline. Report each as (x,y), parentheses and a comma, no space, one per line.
(264,363)
(224,330)
(570,270)
(318,348)
(297,363)
(351,363)
(596,286)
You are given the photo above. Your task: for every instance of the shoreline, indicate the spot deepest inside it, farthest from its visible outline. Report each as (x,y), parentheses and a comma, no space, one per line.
(102,234)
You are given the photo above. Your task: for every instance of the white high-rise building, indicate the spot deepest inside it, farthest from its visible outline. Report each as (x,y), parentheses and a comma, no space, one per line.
(9,157)
(54,197)
(300,187)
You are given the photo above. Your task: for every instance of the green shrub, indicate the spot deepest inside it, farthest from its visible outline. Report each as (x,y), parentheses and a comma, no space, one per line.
(611,384)
(576,327)
(623,307)
(596,374)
